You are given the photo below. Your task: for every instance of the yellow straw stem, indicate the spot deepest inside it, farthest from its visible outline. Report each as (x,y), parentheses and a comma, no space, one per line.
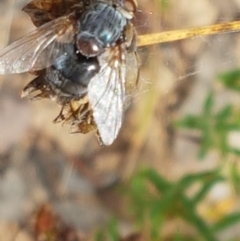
(168,36)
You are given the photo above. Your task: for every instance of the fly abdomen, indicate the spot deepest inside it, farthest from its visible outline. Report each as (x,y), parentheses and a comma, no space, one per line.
(71,74)
(67,79)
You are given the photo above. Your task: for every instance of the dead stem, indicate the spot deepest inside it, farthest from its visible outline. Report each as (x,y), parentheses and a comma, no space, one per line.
(174,35)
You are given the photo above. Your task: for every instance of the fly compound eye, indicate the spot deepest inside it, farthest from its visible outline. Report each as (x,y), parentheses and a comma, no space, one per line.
(89,47)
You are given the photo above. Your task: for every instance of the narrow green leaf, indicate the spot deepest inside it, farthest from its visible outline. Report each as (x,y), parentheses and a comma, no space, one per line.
(233,126)
(223,114)
(99,236)
(112,230)
(234,151)
(160,210)
(231,79)
(189,121)
(226,222)
(190,179)
(205,189)
(194,219)
(164,4)
(208,104)
(235,177)
(203,151)
(157,180)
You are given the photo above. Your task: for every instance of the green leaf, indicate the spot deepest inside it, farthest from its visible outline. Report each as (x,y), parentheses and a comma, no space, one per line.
(231,79)
(223,114)
(205,189)
(164,4)
(234,151)
(203,151)
(232,126)
(160,209)
(99,236)
(226,222)
(194,219)
(192,178)
(113,230)
(208,104)
(157,180)
(190,121)
(139,202)
(108,232)
(235,177)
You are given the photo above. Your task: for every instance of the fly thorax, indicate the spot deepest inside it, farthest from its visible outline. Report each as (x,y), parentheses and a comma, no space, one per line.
(100,27)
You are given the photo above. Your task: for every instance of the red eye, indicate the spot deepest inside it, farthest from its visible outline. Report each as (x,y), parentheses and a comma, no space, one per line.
(89,47)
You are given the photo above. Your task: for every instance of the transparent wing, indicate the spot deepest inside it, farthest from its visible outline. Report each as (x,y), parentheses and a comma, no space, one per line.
(106,92)
(132,77)
(38,49)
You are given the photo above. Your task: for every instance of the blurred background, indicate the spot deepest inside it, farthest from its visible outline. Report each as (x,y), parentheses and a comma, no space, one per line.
(172,173)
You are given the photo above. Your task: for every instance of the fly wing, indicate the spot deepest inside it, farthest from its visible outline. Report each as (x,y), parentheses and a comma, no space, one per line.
(106,92)
(132,77)
(39,49)
(43,11)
